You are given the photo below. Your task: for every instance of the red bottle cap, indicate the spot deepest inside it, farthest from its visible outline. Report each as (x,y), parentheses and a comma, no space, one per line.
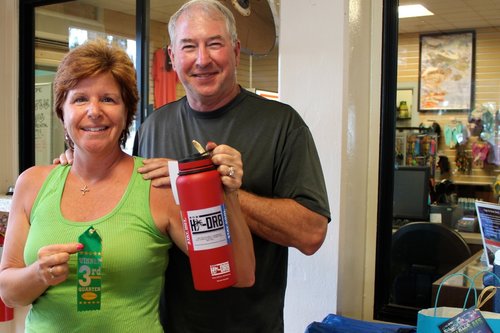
(195,163)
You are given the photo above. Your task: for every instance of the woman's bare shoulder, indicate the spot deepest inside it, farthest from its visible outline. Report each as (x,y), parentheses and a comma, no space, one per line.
(163,207)
(27,186)
(33,178)
(36,172)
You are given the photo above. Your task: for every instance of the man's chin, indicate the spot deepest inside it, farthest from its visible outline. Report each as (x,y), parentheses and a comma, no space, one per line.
(205,92)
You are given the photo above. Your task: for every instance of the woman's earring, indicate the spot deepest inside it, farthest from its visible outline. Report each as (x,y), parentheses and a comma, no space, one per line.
(123,138)
(68,141)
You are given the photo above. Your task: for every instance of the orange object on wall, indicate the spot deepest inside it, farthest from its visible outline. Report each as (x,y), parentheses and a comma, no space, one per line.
(164,77)
(6,313)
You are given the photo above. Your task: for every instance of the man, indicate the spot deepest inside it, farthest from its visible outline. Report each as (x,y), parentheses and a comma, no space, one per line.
(283,198)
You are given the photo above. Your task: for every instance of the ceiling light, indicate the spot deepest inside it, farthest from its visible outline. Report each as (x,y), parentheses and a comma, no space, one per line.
(413,11)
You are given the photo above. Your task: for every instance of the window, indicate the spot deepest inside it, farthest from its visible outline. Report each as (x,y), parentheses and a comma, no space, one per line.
(59,25)
(428,60)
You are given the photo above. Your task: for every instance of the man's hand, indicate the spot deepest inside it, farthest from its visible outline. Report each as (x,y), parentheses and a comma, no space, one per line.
(156,169)
(229,165)
(64,158)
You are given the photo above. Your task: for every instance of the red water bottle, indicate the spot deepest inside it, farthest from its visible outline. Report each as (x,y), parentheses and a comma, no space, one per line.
(205,223)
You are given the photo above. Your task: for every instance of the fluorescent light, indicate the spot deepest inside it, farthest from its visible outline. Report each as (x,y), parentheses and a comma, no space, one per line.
(413,11)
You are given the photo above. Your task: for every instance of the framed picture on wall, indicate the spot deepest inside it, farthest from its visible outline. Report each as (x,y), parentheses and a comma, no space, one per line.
(406,99)
(43,123)
(446,71)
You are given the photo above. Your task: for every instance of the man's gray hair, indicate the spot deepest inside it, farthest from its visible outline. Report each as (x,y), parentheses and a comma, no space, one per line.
(212,8)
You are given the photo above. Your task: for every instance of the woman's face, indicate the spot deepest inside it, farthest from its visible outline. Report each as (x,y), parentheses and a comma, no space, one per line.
(94,114)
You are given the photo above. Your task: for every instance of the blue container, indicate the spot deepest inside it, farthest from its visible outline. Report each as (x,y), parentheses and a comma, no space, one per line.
(339,324)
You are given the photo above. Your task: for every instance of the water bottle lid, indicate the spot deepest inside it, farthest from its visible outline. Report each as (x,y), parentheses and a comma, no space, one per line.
(195,163)
(194,157)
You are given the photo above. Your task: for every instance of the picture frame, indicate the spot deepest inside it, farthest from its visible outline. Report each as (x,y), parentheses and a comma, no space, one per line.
(446,71)
(43,123)
(406,92)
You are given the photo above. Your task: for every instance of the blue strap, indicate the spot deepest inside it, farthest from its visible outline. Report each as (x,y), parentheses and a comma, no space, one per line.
(486,271)
(472,286)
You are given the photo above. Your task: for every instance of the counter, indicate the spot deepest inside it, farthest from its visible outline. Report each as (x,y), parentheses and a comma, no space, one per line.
(454,290)
(5,202)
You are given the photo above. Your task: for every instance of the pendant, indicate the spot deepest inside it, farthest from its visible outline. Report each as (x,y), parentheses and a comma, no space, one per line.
(84,189)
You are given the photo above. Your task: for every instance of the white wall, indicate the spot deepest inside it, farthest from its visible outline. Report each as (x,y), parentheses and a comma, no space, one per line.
(9,53)
(330,72)
(311,79)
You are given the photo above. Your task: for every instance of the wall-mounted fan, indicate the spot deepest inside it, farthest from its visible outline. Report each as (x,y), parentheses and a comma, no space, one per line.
(255,21)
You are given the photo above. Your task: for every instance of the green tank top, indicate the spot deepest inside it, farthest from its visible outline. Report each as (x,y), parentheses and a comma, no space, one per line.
(134,258)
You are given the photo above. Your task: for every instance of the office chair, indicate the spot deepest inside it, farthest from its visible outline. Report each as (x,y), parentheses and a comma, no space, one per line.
(423,252)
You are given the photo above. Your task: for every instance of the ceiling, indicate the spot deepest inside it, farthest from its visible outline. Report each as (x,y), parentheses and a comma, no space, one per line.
(161,10)
(257,32)
(449,14)
(452,15)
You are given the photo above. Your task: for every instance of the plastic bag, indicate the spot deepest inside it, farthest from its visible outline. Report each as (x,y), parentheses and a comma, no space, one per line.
(339,324)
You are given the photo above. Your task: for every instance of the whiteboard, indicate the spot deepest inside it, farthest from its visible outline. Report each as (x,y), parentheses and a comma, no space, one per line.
(43,123)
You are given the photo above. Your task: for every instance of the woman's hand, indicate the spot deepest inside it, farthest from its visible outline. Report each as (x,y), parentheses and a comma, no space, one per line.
(53,262)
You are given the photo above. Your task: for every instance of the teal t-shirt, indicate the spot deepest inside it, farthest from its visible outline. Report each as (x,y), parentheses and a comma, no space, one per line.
(134,258)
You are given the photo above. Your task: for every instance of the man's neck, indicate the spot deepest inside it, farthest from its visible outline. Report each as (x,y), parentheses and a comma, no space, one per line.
(208,105)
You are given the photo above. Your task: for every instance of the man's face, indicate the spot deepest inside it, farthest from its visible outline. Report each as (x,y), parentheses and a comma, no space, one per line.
(205,60)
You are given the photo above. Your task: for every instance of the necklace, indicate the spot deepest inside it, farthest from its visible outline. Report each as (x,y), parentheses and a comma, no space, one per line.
(84,189)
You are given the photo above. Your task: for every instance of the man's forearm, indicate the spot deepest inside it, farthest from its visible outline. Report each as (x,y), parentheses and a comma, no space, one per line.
(284,221)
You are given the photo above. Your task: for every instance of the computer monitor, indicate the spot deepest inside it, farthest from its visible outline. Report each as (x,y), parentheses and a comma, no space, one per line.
(411,193)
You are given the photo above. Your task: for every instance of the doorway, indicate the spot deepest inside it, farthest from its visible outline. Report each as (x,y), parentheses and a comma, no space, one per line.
(440,100)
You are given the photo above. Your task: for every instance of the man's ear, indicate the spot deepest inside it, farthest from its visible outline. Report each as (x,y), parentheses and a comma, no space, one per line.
(171,56)
(237,52)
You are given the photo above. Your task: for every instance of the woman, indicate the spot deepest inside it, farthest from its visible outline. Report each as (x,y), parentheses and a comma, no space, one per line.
(53,206)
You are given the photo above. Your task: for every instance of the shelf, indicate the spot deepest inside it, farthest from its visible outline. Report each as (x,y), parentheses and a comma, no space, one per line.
(472,183)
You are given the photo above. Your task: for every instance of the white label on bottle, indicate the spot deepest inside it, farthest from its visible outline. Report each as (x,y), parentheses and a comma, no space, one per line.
(208,228)
(173,170)
(220,269)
